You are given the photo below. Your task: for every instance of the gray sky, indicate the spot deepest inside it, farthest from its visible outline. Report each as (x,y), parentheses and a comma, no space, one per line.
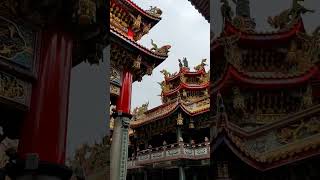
(261,9)
(88,103)
(186,31)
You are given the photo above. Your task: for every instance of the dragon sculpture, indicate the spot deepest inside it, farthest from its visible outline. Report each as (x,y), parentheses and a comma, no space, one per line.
(202,65)
(288,16)
(165,73)
(138,111)
(311,45)
(155,11)
(164,50)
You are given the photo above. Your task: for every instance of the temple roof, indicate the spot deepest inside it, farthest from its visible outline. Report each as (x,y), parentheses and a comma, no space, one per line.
(292,138)
(135,46)
(191,108)
(146,13)
(252,38)
(203,6)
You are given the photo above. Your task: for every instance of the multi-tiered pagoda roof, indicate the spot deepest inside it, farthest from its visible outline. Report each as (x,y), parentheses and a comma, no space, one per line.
(185,91)
(265,88)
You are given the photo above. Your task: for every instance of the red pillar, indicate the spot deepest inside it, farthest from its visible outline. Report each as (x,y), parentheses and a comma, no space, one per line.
(44,128)
(124,101)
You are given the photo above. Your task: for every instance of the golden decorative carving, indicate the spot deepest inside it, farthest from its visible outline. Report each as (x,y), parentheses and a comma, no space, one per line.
(136,23)
(155,11)
(238,100)
(233,55)
(14,43)
(183,78)
(85,12)
(10,87)
(202,65)
(299,130)
(111,125)
(145,30)
(165,73)
(307,98)
(288,17)
(115,75)
(139,111)
(311,44)
(164,86)
(164,50)
(184,93)
(115,90)
(137,62)
(150,69)
(179,120)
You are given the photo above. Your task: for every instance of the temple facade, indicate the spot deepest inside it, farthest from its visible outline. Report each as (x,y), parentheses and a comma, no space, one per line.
(171,141)
(129,62)
(265,97)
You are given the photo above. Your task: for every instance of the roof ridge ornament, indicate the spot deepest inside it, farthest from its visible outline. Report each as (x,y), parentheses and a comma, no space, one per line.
(154,11)
(164,50)
(289,16)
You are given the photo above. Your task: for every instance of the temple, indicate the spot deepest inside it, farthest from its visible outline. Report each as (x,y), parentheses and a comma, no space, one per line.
(171,141)
(265,97)
(129,62)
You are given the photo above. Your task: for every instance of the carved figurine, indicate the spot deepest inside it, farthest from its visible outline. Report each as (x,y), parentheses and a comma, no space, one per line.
(180,63)
(280,21)
(288,16)
(226,10)
(154,10)
(165,73)
(311,45)
(164,50)
(238,101)
(164,86)
(185,62)
(136,23)
(202,65)
(138,111)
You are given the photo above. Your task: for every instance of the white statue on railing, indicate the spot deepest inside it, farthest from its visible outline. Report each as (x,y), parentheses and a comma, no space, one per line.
(206,141)
(180,140)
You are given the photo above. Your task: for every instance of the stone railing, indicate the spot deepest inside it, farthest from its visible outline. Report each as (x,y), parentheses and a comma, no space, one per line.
(169,153)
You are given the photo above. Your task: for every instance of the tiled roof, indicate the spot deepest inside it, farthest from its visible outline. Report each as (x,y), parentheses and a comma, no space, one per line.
(191,108)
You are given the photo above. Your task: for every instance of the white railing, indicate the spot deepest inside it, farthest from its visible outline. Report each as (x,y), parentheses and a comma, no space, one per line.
(170,152)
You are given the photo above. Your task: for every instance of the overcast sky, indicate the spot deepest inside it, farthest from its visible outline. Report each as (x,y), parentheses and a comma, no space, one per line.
(261,9)
(183,27)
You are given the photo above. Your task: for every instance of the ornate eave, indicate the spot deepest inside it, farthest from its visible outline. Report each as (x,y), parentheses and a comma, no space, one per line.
(131,6)
(186,87)
(158,113)
(132,45)
(259,39)
(185,71)
(149,59)
(277,151)
(276,81)
(203,6)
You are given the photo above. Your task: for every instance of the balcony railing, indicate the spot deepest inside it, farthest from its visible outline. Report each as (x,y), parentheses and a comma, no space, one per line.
(170,153)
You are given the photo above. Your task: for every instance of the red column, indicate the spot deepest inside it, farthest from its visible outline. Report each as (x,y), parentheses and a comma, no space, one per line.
(124,101)
(44,128)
